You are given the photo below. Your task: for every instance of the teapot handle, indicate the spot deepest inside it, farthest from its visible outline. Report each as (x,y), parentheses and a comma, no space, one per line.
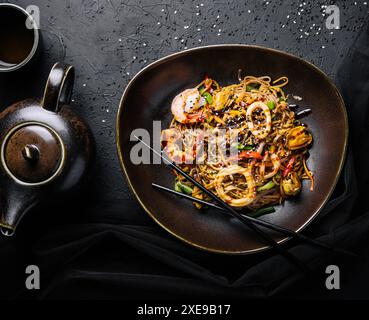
(59,87)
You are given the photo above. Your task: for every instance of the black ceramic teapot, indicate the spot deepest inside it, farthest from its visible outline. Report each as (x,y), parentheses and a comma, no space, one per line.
(45,148)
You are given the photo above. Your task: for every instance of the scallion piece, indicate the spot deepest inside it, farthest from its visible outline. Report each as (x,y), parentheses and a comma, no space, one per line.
(252,86)
(241,146)
(176,187)
(208,97)
(183,188)
(271,105)
(261,212)
(269,185)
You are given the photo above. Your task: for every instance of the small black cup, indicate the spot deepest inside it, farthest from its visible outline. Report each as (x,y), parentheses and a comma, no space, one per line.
(19,37)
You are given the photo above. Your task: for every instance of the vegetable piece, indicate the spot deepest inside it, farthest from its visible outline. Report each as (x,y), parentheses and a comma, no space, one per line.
(269,185)
(217,119)
(261,212)
(184,188)
(288,167)
(209,119)
(250,155)
(208,97)
(291,185)
(241,146)
(176,187)
(207,85)
(271,105)
(252,86)
(235,113)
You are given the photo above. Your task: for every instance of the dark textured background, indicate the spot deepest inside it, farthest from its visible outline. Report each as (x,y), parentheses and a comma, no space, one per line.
(108,41)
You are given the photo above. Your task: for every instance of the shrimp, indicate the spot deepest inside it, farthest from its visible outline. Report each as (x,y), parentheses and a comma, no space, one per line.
(184,105)
(260,133)
(174,147)
(229,171)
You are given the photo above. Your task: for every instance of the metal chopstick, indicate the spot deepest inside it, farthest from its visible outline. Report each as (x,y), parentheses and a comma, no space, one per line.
(271,226)
(188,197)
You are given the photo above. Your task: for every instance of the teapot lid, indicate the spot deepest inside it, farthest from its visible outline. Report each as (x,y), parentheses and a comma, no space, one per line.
(32,153)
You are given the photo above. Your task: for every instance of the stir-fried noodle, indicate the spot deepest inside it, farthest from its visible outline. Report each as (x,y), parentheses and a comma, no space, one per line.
(263,146)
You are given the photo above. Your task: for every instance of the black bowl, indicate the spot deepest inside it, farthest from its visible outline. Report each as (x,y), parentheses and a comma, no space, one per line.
(148,97)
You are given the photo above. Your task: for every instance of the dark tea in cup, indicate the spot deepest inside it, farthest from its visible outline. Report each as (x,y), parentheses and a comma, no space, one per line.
(18,37)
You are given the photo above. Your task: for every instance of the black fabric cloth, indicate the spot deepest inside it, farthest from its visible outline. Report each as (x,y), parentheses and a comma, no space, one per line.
(132,258)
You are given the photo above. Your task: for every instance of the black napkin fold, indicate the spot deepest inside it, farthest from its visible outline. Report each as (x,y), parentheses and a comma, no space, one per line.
(134,259)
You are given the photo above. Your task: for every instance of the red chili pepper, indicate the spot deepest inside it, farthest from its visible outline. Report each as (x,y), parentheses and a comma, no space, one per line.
(250,154)
(288,167)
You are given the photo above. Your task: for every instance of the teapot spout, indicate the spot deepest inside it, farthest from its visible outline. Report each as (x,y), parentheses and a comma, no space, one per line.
(16,203)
